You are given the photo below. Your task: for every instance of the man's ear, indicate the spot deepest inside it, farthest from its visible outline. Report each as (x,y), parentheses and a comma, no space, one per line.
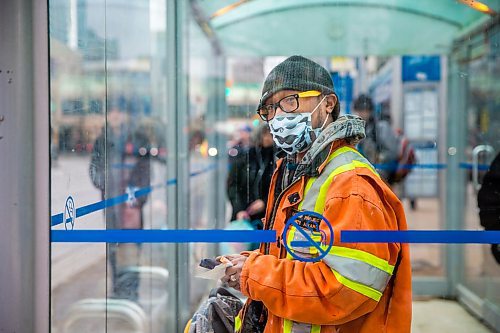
(331,101)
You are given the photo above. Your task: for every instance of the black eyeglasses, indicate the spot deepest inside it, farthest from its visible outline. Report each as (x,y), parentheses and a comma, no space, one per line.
(288,104)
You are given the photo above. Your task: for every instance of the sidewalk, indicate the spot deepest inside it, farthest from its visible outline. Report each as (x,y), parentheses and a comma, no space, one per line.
(442,316)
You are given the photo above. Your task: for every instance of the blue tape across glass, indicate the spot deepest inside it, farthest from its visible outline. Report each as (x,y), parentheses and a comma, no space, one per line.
(469,166)
(100,205)
(123,166)
(58,218)
(163,236)
(390,166)
(421,236)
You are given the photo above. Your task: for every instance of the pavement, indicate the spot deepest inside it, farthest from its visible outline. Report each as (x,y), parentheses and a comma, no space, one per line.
(444,316)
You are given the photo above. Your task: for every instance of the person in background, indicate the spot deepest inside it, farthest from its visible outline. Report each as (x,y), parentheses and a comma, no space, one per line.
(488,201)
(250,176)
(120,164)
(354,287)
(241,142)
(380,144)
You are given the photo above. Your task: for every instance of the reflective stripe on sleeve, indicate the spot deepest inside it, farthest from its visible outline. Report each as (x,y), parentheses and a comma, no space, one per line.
(359,270)
(360,288)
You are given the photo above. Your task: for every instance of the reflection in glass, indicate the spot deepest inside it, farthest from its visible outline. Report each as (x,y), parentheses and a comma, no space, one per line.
(108,121)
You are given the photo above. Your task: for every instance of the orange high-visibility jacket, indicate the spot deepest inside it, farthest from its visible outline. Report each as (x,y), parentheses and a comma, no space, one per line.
(356,287)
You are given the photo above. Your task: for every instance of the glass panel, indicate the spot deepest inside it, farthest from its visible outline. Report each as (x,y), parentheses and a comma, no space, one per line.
(78,270)
(202,151)
(109,106)
(108,120)
(482,270)
(249,149)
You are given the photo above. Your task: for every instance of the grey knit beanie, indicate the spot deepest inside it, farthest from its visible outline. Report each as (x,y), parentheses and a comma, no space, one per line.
(298,73)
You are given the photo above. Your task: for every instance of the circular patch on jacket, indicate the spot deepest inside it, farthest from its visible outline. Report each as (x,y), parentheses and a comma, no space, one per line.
(309,242)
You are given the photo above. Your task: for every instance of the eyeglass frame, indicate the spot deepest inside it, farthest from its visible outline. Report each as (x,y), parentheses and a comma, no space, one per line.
(308,93)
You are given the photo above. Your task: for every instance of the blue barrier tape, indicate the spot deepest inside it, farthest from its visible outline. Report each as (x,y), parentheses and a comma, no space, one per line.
(56,219)
(163,236)
(424,146)
(100,205)
(424,166)
(92,207)
(469,166)
(269,236)
(410,166)
(421,236)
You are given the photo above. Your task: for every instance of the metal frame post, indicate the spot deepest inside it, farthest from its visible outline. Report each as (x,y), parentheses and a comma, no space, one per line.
(455,176)
(222,157)
(177,163)
(24,151)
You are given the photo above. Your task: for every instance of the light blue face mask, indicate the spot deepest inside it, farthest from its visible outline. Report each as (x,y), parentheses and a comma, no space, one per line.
(293,133)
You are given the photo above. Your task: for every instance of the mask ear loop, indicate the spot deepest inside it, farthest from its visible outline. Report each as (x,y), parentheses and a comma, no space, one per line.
(317,106)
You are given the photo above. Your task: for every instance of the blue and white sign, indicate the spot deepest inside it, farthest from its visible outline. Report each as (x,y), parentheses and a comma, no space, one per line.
(421,68)
(343,87)
(69,214)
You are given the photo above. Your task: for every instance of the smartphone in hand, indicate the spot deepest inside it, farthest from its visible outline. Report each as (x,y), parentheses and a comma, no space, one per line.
(213,269)
(209,263)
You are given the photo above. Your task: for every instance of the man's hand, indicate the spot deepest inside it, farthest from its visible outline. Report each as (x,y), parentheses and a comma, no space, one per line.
(233,273)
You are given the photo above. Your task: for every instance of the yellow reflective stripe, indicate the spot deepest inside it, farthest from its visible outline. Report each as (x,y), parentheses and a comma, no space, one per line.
(319,207)
(237,323)
(351,162)
(358,271)
(310,182)
(289,238)
(349,149)
(360,288)
(287,326)
(188,326)
(315,236)
(316,329)
(341,151)
(359,164)
(366,257)
(353,150)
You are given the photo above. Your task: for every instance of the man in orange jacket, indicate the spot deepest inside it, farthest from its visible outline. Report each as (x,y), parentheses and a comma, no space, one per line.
(355,287)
